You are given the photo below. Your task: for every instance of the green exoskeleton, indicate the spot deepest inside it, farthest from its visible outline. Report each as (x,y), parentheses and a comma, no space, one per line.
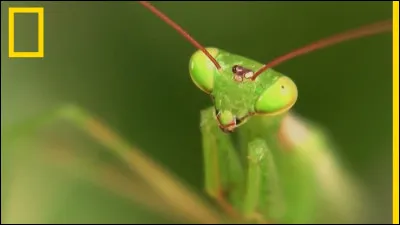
(275,150)
(263,163)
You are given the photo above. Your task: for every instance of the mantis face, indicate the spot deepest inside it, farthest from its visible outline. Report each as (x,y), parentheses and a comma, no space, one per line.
(235,94)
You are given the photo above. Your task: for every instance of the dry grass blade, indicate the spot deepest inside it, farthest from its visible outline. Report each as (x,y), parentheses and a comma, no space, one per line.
(107,176)
(153,185)
(168,187)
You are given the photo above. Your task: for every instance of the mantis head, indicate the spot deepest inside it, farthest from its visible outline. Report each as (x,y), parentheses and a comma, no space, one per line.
(234,82)
(236,95)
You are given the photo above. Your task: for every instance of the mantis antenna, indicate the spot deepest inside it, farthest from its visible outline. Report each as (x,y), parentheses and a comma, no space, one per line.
(367,30)
(180,30)
(363,31)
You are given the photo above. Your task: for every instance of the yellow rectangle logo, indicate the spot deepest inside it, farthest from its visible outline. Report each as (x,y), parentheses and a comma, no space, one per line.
(11,25)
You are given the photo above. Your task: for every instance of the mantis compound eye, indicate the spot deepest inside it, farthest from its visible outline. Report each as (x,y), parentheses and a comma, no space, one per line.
(200,73)
(279,97)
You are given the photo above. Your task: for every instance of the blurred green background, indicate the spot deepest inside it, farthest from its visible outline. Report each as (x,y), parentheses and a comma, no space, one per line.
(119,61)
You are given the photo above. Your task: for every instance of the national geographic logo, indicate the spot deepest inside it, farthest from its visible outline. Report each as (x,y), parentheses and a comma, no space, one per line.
(11,32)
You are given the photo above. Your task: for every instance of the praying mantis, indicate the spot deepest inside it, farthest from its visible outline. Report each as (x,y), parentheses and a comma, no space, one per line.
(250,179)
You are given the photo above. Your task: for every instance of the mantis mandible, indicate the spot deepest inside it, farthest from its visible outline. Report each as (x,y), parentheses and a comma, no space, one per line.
(252,179)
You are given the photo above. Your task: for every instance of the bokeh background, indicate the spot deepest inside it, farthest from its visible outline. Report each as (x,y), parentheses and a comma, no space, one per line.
(126,66)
